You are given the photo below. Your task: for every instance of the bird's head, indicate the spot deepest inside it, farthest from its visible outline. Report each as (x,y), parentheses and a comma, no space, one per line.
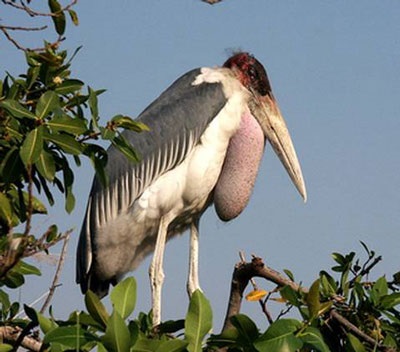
(263,106)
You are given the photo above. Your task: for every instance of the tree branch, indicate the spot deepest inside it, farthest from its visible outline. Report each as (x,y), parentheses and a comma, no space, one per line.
(12,333)
(54,284)
(356,331)
(32,13)
(244,272)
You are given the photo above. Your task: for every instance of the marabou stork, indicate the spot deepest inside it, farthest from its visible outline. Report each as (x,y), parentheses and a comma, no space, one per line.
(206,137)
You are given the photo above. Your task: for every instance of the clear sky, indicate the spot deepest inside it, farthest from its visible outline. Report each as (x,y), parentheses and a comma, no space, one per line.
(335,71)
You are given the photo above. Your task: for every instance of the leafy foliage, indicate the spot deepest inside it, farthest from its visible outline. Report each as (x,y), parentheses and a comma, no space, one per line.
(44,126)
(341,311)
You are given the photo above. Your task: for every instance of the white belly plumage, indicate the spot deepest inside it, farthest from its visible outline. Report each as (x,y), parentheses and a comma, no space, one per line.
(183,192)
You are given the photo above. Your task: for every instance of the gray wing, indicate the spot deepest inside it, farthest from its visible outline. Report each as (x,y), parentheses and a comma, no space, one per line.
(176,120)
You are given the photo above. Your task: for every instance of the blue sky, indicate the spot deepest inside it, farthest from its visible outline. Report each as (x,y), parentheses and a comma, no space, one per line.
(335,71)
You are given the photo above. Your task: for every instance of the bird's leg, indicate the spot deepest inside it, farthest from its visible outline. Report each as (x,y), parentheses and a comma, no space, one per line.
(193,277)
(156,271)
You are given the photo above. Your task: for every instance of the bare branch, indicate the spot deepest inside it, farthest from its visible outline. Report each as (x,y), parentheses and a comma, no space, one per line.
(27,29)
(11,39)
(33,13)
(19,250)
(12,333)
(25,8)
(263,303)
(54,284)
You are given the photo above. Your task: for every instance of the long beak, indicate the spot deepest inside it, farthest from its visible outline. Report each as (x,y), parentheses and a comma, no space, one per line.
(265,109)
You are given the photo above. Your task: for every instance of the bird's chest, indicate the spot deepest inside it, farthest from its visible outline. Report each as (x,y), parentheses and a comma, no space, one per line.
(185,189)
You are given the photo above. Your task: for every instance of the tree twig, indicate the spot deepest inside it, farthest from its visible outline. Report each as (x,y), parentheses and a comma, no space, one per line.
(54,284)
(366,269)
(12,333)
(25,8)
(263,303)
(25,29)
(33,13)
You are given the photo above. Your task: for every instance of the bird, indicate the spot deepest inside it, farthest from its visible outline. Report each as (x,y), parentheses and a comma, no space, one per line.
(206,136)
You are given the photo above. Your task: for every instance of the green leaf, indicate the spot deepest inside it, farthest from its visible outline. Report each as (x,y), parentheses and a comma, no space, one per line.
(6,212)
(146,345)
(69,336)
(198,321)
(227,338)
(171,326)
(13,279)
(101,348)
(128,123)
(338,258)
(14,309)
(59,16)
(37,206)
(74,17)
(292,296)
(67,124)
(83,318)
(32,146)
(95,308)
(43,183)
(16,109)
(123,297)
(370,254)
(52,233)
(390,301)
(46,324)
(328,284)
(125,147)
(5,347)
(93,105)
(289,274)
(312,300)
(47,103)
(68,182)
(133,327)
(380,287)
(46,165)
(31,314)
(313,338)
(98,156)
(107,133)
(26,269)
(11,167)
(4,300)
(280,336)
(355,343)
(248,331)
(69,86)
(13,130)
(67,143)
(117,336)
(33,73)
(172,346)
